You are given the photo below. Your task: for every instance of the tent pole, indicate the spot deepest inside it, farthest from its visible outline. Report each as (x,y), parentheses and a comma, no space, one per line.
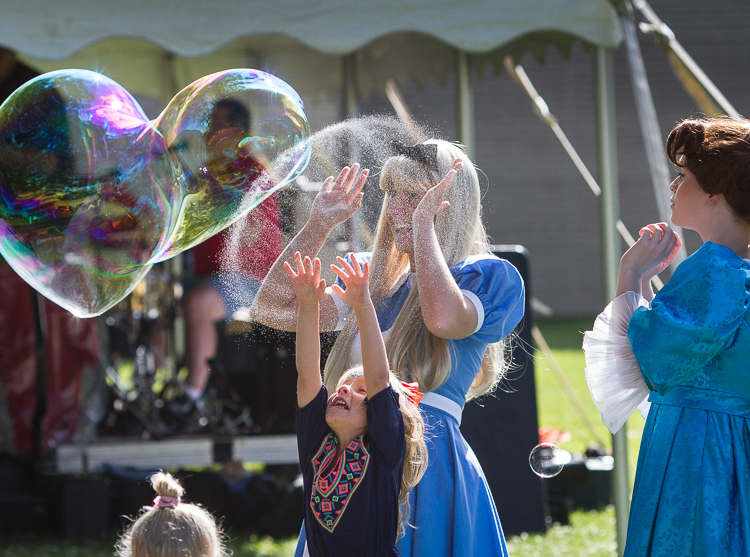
(350,109)
(349,104)
(464,104)
(652,138)
(609,201)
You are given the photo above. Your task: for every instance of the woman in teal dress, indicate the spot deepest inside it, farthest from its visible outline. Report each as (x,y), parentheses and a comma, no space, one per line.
(688,350)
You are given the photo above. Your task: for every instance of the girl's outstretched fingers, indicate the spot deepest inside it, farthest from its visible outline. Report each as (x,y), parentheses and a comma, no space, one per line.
(308,265)
(357,268)
(289,270)
(308,285)
(356,190)
(432,202)
(345,266)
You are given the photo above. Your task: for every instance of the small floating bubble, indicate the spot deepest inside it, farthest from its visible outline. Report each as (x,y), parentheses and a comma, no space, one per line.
(547,460)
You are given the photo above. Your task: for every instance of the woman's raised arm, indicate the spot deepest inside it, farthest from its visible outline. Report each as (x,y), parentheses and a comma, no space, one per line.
(447,312)
(276,305)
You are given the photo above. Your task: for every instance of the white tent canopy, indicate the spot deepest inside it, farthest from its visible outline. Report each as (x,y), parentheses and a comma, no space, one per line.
(190,28)
(155,48)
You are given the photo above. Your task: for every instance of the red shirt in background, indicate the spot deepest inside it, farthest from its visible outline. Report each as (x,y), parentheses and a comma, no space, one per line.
(261,245)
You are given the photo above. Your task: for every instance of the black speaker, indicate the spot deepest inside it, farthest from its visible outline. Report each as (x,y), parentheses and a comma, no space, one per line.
(260,365)
(79,506)
(502,428)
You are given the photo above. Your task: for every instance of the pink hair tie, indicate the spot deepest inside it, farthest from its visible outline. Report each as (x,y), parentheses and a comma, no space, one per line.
(165,502)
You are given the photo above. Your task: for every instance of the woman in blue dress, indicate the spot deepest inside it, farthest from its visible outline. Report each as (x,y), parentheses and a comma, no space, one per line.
(446,306)
(687,350)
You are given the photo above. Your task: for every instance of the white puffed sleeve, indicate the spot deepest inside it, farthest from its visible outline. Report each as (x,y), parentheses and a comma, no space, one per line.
(612,371)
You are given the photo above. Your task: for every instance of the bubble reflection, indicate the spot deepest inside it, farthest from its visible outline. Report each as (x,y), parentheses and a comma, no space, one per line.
(92,192)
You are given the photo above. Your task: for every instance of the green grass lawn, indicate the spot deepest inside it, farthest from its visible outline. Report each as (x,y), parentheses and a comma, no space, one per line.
(557,409)
(589,533)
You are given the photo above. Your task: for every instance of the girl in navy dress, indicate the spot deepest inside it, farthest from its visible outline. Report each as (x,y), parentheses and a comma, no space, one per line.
(446,306)
(362,449)
(682,356)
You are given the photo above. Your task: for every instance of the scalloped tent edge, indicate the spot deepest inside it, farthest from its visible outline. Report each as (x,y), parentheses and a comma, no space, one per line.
(192,28)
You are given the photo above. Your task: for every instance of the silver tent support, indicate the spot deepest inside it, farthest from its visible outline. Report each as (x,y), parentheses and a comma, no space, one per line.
(349,100)
(652,138)
(609,207)
(542,110)
(669,42)
(464,104)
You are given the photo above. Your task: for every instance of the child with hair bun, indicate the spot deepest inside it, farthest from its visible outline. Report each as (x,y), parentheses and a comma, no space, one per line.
(172,528)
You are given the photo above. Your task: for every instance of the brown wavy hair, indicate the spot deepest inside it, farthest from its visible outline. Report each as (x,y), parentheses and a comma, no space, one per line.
(717,152)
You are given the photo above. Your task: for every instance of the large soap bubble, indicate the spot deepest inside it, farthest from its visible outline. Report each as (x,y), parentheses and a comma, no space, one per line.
(80,217)
(92,192)
(239,135)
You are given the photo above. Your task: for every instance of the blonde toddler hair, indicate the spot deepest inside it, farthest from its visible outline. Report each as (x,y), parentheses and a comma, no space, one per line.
(178,530)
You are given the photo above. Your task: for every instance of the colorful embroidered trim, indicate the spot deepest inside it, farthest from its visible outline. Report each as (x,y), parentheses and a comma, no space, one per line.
(331,494)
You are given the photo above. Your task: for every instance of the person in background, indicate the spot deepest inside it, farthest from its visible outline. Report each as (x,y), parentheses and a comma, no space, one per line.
(213,294)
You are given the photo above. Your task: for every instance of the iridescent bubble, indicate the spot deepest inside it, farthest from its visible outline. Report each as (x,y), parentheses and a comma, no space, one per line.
(92,192)
(81,209)
(239,135)
(547,460)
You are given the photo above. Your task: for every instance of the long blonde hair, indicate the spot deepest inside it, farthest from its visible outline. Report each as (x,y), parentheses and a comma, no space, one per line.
(413,351)
(415,460)
(182,530)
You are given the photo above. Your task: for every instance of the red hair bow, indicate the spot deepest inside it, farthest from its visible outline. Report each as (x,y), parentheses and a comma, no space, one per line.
(412,391)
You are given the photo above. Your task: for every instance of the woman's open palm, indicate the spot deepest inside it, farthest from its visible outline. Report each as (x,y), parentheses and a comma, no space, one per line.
(339,199)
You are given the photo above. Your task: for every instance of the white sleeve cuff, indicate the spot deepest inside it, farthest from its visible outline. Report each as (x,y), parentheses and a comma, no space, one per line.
(612,371)
(477,304)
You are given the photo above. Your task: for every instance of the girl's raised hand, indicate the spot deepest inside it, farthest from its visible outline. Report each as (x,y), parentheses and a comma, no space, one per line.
(356,278)
(308,286)
(433,201)
(338,199)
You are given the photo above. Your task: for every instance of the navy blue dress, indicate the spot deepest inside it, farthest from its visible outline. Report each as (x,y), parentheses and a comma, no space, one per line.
(453,513)
(353,509)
